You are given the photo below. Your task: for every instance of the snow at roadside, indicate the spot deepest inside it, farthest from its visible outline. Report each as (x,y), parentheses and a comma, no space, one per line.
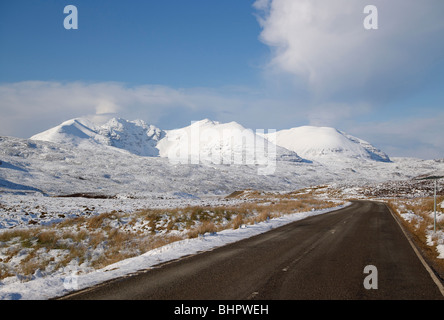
(40,288)
(440,249)
(415,218)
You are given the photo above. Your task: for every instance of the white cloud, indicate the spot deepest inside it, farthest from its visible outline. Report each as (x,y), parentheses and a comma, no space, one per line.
(325,43)
(33,106)
(409,137)
(320,44)
(333,114)
(349,72)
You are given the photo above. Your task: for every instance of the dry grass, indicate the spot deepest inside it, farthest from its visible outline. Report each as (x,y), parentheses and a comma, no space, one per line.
(205,227)
(421,226)
(118,236)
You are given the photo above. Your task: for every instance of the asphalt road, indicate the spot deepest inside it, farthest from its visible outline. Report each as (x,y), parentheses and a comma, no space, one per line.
(321,257)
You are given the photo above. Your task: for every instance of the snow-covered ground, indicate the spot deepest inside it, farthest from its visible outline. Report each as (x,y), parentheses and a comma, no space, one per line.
(22,211)
(34,174)
(413,201)
(134,159)
(59,169)
(432,238)
(45,287)
(126,166)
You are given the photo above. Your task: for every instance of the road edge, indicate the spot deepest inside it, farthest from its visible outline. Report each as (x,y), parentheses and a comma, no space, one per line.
(68,295)
(429,269)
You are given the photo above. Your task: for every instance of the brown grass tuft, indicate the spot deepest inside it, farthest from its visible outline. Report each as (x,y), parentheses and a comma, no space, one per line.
(79,238)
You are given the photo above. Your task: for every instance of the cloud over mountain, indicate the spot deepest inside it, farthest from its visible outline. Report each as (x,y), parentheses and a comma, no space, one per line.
(325,43)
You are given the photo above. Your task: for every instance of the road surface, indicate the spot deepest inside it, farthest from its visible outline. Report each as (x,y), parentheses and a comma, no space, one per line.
(321,257)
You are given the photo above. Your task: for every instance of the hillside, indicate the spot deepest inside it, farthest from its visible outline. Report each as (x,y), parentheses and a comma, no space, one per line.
(325,143)
(124,158)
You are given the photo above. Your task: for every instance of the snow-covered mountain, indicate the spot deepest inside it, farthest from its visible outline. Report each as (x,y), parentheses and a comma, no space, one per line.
(325,143)
(133,158)
(133,136)
(205,140)
(214,142)
(221,143)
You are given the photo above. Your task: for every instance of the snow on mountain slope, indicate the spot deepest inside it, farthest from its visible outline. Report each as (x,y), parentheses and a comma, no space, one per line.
(74,131)
(202,141)
(29,166)
(133,136)
(132,158)
(221,143)
(317,143)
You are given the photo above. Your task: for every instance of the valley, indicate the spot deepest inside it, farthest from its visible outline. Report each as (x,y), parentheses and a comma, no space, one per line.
(83,203)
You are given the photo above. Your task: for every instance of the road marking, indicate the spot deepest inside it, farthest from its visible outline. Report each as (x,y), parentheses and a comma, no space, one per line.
(251,296)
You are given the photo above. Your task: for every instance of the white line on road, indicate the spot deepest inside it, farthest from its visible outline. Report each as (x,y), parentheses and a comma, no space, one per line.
(424,263)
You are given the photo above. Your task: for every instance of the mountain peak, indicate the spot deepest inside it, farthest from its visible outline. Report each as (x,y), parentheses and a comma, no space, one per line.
(136,136)
(317,143)
(204,122)
(209,141)
(140,138)
(72,131)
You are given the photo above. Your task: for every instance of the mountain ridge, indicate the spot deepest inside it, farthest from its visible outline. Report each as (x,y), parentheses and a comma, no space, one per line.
(206,140)
(85,161)
(218,140)
(327,144)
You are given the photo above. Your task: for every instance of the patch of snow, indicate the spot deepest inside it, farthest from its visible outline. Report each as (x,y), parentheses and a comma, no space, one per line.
(440,249)
(50,286)
(22,211)
(409,216)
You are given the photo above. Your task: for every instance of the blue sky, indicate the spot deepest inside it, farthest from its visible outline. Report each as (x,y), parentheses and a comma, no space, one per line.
(172,42)
(269,64)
